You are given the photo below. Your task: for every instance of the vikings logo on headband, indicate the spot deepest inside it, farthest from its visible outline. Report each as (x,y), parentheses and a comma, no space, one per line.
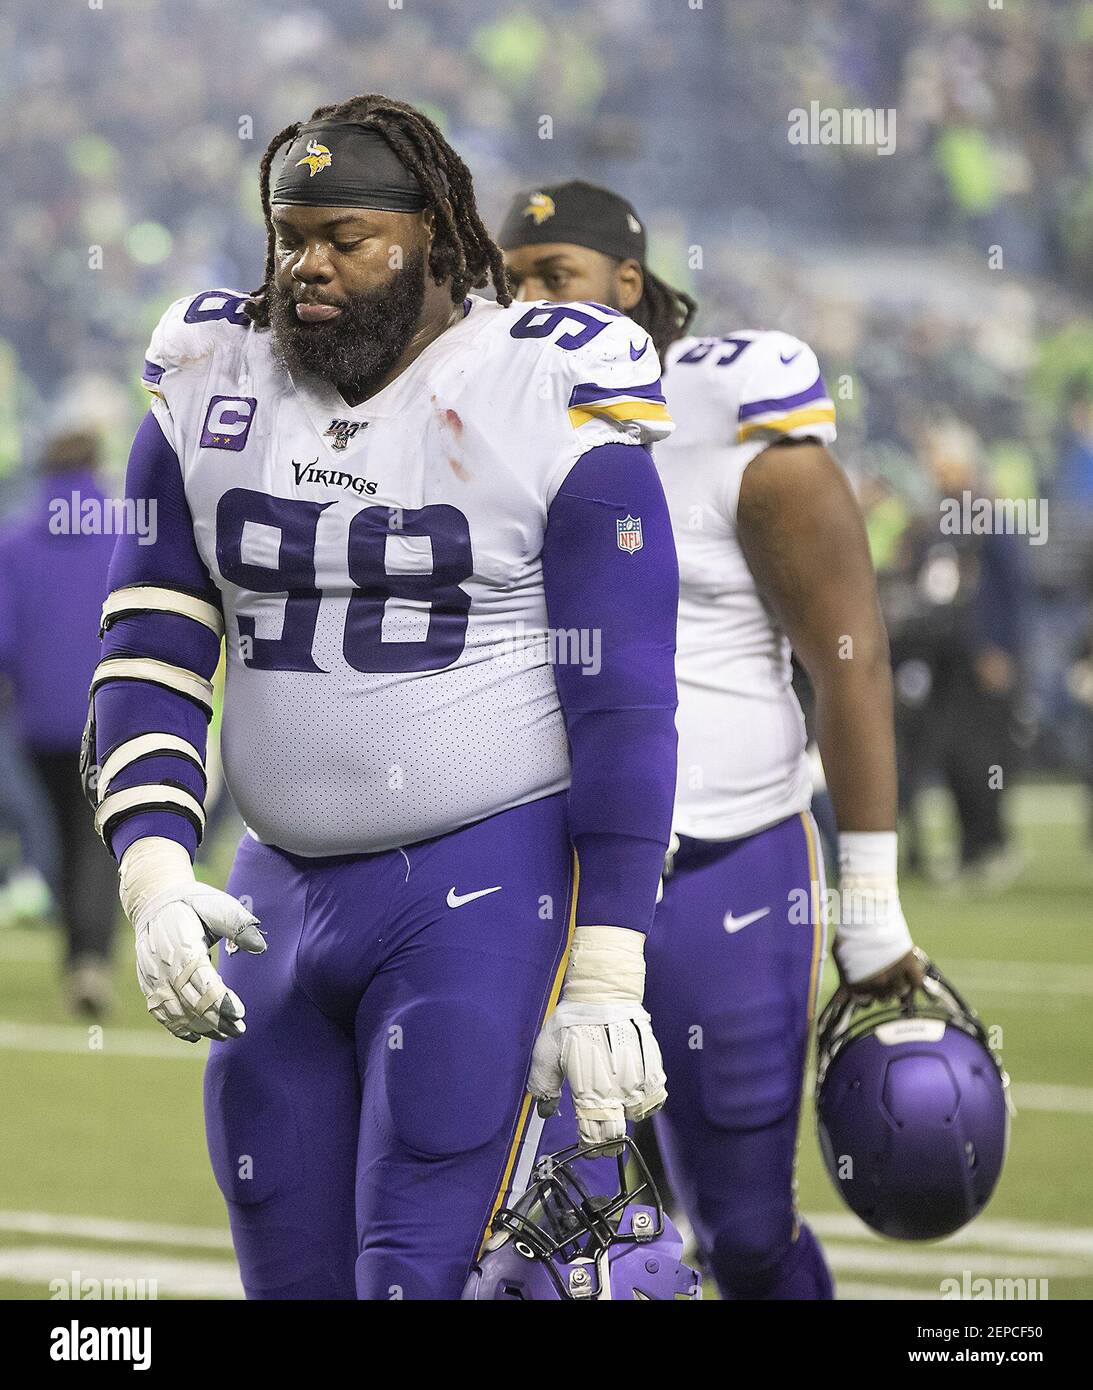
(317,157)
(540,207)
(359,168)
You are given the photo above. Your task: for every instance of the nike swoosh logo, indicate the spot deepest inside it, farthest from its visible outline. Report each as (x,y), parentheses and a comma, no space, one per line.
(458,899)
(640,353)
(791,358)
(739,923)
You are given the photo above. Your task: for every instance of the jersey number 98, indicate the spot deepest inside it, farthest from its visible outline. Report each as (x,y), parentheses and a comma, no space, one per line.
(296,522)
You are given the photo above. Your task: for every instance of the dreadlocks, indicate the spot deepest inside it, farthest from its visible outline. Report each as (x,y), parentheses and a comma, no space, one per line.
(461,251)
(663,312)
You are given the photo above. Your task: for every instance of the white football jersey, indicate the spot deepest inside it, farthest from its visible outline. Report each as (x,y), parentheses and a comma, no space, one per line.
(742,762)
(387,671)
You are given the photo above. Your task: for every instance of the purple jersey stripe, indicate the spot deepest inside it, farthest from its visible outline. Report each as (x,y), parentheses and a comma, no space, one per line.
(589,391)
(816,392)
(152,372)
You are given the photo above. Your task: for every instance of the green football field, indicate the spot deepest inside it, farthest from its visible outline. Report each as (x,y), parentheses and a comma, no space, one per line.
(103,1162)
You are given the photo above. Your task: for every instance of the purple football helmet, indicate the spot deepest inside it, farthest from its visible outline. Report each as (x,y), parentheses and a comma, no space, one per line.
(560,1241)
(913,1110)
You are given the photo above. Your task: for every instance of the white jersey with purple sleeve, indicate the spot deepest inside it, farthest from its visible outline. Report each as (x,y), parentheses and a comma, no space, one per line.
(742,763)
(379,567)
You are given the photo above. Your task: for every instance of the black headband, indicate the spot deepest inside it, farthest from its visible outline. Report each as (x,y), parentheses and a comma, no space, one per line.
(576,212)
(345,164)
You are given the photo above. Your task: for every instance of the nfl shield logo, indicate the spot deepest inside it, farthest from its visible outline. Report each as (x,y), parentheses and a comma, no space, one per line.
(629,533)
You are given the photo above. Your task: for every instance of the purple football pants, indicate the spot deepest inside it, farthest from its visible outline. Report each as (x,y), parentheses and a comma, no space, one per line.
(374,1114)
(733,966)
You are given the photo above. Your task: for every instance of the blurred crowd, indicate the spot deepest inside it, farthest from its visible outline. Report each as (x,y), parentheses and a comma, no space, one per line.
(945,285)
(136,128)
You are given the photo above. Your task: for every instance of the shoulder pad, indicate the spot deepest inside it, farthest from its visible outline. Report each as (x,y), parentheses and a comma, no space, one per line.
(606,366)
(190,330)
(768,382)
(781,391)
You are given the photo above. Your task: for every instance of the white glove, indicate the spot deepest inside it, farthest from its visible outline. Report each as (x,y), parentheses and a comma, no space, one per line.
(177,919)
(599,1038)
(872,932)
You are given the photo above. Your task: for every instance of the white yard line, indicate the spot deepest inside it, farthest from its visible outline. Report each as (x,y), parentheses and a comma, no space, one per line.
(41,1264)
(46,1223)
(881,1292)
(997,1235)
(1056,1100)
(1020,976)
(74,1039)
(917,1260)
(193,1278)
(993,1249)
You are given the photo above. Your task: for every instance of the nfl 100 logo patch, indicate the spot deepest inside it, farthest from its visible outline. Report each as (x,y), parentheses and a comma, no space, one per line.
(227,422)
(629,535)
(342,431)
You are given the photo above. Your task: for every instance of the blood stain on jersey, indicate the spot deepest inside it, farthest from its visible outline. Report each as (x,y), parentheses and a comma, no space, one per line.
(451,431)
(628,530)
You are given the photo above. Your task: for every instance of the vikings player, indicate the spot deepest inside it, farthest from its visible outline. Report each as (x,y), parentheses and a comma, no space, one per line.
(772,553)
(388,495)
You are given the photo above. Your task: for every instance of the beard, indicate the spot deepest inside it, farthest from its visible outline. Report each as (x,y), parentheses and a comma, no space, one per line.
(361,345)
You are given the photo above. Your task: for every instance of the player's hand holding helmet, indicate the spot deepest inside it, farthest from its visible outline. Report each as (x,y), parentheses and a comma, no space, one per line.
(599,1038)
(913,1108)
(562,1241)
(177,920)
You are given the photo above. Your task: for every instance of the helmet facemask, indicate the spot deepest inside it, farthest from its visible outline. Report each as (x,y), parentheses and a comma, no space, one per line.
(571,1230)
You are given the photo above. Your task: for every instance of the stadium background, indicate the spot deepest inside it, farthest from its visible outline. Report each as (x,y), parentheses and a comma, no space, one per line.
(137,128)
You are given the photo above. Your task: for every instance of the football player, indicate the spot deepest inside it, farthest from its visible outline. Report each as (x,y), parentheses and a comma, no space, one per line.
(398,502)
(772,554)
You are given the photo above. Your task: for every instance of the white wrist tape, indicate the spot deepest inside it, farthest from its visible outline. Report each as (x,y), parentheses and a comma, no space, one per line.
(152,868)
(606,966)
(871,933)
(868,854)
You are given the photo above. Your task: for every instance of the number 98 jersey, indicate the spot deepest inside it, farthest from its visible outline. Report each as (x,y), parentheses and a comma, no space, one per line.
(388,672)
